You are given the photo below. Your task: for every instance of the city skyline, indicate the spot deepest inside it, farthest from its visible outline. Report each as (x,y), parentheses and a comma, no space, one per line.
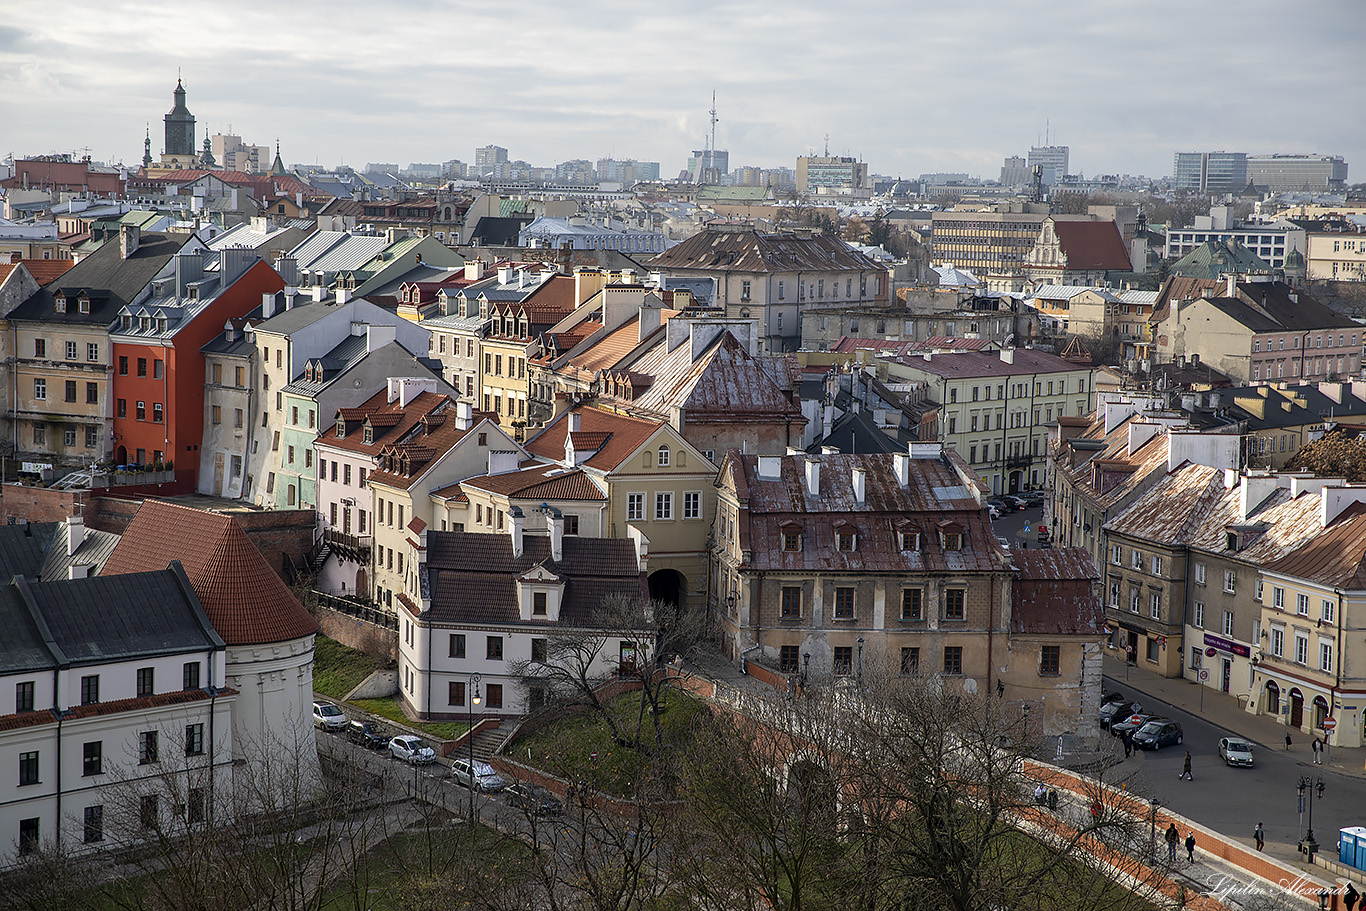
(947,89)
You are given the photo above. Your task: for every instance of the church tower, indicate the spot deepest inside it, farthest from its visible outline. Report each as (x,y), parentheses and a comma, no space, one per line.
(179,151)
(147,148)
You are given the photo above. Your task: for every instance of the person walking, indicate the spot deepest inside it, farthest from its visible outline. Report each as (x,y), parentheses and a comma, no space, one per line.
(1287,740)
(1259,836)
(1128,744)
(1186,769)
(1315,746)
(1173,837)
(1190,847)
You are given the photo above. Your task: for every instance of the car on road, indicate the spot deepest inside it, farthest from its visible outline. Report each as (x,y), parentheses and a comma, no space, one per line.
(1002,505)
(1131,724)
(1016,501)
(411,749)
(1158,733)
(1235,751)
(1033,497)
(328,717)
(1111,697)
(477,775)
(995,511)
(1112,712)
(532,798)
(367,735)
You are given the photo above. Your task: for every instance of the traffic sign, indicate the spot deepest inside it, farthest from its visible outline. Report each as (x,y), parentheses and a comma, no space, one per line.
(1204,674)
(1026,529)
(593,755)
(1329,723)
(1211,652)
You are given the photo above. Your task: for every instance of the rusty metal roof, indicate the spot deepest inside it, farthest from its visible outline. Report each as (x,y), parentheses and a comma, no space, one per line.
(1054,593)
(1336,556)
(1174,509)
(750,251)
(724,383)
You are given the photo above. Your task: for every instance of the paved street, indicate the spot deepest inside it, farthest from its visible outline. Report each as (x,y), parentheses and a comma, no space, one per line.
(1234,800)
(1012,524)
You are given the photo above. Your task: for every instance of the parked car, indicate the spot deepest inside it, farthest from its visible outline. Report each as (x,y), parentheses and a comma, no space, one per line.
(532,798)
(328,717)
(1001,504)
(1116,711)
(1033,497)
(995,511)
(1108,698)
(1235,751)
(411,749)
(477,775)
(1158,733)
(1132,723)
(367,735)
(1016,501)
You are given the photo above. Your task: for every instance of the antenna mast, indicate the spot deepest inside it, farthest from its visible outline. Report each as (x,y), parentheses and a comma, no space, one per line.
(711,158)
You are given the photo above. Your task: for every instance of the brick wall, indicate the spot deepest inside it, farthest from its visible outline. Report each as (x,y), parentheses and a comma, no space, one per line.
(358,634)
(41,504)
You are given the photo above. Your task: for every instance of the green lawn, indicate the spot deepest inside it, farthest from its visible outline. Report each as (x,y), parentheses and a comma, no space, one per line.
(337,670)
(388,707)
(565,747)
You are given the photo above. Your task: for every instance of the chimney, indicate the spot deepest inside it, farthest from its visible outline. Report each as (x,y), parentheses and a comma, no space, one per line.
(75,534)
(129,238)
(474,270)
(860,480)
(290,293)
(504,274)
(464,415)
(268,305)
(1231,285)
(288,268)
(319,292)
(377,337)
(343,295)
(901,462)
(574,422)
(628,276)
(650,320)
(813,477)
(229,333)
(1007,355)
(556,535)
(515,520)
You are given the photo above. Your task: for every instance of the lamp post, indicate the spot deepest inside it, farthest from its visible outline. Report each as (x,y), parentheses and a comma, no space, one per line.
(806,668)
(860,661)
(475,699)
(1307,788)
(1152,824)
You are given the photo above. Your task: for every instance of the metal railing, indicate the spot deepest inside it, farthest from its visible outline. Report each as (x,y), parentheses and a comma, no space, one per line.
(368,612)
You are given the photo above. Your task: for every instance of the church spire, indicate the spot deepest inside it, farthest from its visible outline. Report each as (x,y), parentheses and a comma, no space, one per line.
(147,148)
(277,169)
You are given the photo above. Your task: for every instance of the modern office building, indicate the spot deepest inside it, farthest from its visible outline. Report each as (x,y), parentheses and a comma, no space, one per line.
(1053,161)
(1291,173)
(832,174)
(1210,172)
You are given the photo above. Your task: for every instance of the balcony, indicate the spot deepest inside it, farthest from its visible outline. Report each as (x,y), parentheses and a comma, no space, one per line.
(348,546)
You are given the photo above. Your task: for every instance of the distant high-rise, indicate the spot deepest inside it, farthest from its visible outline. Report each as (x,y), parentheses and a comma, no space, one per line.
(1053,161)
(1015,172)
(836,174)
(1210,172)
(708,165)
(234,155)
(487,159)
(1291,173)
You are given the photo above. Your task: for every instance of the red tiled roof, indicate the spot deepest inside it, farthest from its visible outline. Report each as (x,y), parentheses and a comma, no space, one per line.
(246,601)
(42,270)
(1092,245)
(452,492)
(545,482)
(627,434)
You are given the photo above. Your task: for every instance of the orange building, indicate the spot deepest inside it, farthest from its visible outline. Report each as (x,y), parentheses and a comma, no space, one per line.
(158,367)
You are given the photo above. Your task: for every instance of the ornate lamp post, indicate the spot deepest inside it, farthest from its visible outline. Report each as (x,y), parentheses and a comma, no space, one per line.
(1306,788)
(475,699)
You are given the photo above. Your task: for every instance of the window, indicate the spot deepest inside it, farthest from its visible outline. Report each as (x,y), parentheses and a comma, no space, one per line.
(92,393)
(1155,605)
(910,660)
(844,604)
(455,692)
(1327,611)
(1199,574)
(142,411)
(954,604)
(94,824)
(1198,615)
(1228,623)
(1157,565)
(1302,605)
(40,349)
(1136,561)
(792,540)
(788,657)
(90,689)
(912,604)
(494,649)
(70,387)
(142,366)
(121,408)
(147,747)
(157,371)
(493,697)
(1114,592)
(538,604)
(189,675)
(194,740)
(663,456)
(456,648)
(149,813)
(845,540)
(664,505)
(844,660)
(1325,655)
(953,659)
(28,835)
(194,811)
(635,507)
(692,504)
(910,540)
(146,681)
(28,768)
(791,602)
(1135,597)
(93,758)
(1278,597)
(40,388)
(1116,555)
(538,650)
(1230,581)
(24,696)
(1301,648)
(1050,661)
(70,351)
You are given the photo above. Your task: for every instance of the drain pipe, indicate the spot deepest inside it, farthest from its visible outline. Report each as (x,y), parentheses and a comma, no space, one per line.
(744,664)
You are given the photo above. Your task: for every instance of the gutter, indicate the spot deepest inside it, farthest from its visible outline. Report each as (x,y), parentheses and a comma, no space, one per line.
(744,664)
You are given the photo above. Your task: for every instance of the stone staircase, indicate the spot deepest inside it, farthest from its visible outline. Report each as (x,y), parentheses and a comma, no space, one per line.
(488,741)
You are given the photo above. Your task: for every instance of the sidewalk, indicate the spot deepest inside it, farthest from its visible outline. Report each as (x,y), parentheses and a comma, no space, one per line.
(1227,712)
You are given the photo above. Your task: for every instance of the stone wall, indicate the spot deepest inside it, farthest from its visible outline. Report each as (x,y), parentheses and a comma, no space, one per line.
(358,634)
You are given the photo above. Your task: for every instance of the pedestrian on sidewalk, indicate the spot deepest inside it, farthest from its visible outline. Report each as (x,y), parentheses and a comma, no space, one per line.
(1186,769)
(1287,739)
(1190,847)
(1173,836)
(1128,744)
(1259,836)
(1316,747)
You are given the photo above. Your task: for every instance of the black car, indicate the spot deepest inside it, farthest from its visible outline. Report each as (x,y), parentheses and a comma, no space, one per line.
(1158,733)
(532,798)
(1111,712)
(1130,725)
(367,735)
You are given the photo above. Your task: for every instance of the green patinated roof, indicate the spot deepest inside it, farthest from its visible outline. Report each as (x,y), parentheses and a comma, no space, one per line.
(510,207)
(735,194)
(1213,258)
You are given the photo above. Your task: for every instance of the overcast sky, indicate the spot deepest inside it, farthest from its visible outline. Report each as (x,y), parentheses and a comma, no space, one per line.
(906,85)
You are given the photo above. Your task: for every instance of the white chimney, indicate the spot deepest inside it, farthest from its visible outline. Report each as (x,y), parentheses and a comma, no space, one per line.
(377,337)
(1231,289)
(556,536)
(318,293)
(813,477)
(504,275)
(474,270)
(1007,355)
(573,422)
(901,462)
(268,305)
(515,520)
(75,534)
(290,293)
(343,295)
(464,415)
(860,480)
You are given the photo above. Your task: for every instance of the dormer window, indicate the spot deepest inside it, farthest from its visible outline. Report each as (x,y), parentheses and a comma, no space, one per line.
(792,541)
(369,436)
(846,540)
(538,604)
(341,430)
(59,302)
(953,540)
(663,456)
(83,304)
(910,540)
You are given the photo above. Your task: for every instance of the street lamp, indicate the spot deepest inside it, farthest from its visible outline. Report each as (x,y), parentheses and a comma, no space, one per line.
(860,661)
(475,699)
(1152,824)
(806,669)
(1306,788)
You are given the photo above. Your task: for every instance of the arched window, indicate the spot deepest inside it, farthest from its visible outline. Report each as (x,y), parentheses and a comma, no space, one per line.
(663,456)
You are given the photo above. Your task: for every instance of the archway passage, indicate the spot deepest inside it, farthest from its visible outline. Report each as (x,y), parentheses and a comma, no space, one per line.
(1320,712)
(1273,698)
(1016,481)
(669,586)
(1296,709)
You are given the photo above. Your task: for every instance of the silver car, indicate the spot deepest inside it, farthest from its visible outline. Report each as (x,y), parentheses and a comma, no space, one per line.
(328,717)
(1235,751)
(411,749)
(477,775)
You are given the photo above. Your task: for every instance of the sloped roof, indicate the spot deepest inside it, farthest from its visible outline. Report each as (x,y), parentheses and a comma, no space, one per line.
(750,251)
(44,271)
(625,435)
(960,364)
(113,281)
(1092,245)
(1054,593)
(545,482)
(390,420)
(1334,557)
(1213,258)
(245,600)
